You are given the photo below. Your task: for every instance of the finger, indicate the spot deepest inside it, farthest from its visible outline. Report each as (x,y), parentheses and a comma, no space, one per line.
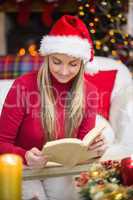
(96,145)
(97,139)
(99,152)
(37,164)
(32,159)
(100,137)
(36,151)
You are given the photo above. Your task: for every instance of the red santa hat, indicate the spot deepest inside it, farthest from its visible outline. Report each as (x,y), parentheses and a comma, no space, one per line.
(69,36)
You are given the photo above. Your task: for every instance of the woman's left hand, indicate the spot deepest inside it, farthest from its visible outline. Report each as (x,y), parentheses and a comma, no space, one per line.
(99,145)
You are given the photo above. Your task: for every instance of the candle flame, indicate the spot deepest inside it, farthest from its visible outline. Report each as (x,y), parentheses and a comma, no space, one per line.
(10,159)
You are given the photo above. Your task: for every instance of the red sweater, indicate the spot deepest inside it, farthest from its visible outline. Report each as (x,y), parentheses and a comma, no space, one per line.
(20,123)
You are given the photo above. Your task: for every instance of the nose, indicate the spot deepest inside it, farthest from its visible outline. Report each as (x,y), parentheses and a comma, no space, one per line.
(64,70)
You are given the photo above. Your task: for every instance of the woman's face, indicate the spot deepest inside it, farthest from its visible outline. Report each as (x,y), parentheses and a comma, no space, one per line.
(64,67)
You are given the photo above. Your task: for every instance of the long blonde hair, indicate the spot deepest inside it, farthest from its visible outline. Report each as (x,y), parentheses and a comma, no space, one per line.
(74,109)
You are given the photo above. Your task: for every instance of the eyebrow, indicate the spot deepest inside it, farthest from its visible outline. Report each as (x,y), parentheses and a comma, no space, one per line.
(74,60)
(61,60)
(56,58)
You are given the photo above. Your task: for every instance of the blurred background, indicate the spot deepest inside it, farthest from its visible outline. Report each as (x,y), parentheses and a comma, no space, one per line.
(24,22)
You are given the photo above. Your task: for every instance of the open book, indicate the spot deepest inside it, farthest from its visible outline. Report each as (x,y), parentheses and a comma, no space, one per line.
(72,151)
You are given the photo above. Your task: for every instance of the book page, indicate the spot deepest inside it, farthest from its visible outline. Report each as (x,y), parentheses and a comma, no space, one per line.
(90,137)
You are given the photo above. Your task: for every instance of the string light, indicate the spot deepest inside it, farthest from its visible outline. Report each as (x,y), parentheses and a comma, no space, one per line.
(113,40)
(92,31)
(120,15)
(98,44)
(111,32)
(123,19)
(87,5)
(91,24)
(118,2)
(112,20)
(104,3)
(126,35)
(126,43)
(96,19)
(108,15)
(114,53)
(81,8)
(105,48)
(81,13)
(92,10)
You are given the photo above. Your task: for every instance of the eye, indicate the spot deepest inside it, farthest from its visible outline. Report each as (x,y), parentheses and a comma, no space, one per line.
(73,64)
(56,61)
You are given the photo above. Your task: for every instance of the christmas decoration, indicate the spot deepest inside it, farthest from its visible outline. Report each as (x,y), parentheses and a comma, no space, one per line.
(24,8)
(103,182)
(127,170)
(106,20)
(48,10)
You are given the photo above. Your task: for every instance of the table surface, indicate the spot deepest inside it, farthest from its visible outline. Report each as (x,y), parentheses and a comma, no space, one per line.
(53,171)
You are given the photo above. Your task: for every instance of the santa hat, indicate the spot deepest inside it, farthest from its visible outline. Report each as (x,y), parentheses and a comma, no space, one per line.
(70,36)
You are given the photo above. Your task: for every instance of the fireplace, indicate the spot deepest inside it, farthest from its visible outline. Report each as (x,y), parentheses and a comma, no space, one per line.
(24,40)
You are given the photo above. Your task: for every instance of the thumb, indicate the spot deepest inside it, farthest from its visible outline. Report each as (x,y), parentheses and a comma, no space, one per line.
(36,151)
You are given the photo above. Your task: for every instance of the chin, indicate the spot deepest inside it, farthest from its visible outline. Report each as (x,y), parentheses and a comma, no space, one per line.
(63,80)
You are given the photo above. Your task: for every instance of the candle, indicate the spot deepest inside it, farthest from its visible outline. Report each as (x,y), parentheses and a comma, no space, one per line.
(127,170)
(10,177)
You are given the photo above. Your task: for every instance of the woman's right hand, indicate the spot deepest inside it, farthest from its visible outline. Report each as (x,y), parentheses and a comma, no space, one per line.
(35,158)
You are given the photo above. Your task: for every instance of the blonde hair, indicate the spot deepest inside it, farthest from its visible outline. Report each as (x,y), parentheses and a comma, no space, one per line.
(74,109)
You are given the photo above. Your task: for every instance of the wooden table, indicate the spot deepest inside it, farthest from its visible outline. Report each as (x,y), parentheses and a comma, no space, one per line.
(53,171)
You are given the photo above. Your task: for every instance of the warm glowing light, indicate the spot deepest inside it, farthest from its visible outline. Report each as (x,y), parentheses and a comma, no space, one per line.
(81,13)
(113,40)
(11,160)
(21,52)
(118,196)
(114,53)
(112,20)
(91,24)
(120,15)
(80,7)
(108,15)
(92,10)
(87,5)
(106,48)
(33,53)
(92,31)
(126,42)
(98,42)
(111,32)
(119,61)
(32,47)
(123,19)
(126,35)
(32,50)
(96,19)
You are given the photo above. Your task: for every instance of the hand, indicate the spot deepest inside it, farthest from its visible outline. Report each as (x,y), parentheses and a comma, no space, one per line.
(35,158)
(99,145)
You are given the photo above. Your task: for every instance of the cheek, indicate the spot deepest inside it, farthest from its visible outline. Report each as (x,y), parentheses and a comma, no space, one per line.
(74,70)
(54,68)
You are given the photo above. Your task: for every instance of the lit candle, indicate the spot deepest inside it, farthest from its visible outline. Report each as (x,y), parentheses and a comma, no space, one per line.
(10,177)
(127,170)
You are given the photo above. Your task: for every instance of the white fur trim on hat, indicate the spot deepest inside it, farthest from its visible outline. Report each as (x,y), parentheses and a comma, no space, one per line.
(70,45)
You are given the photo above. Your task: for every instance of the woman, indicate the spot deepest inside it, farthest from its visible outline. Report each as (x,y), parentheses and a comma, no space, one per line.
(53,103)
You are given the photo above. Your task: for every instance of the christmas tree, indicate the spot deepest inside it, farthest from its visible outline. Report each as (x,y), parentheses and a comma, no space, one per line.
(106,21)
